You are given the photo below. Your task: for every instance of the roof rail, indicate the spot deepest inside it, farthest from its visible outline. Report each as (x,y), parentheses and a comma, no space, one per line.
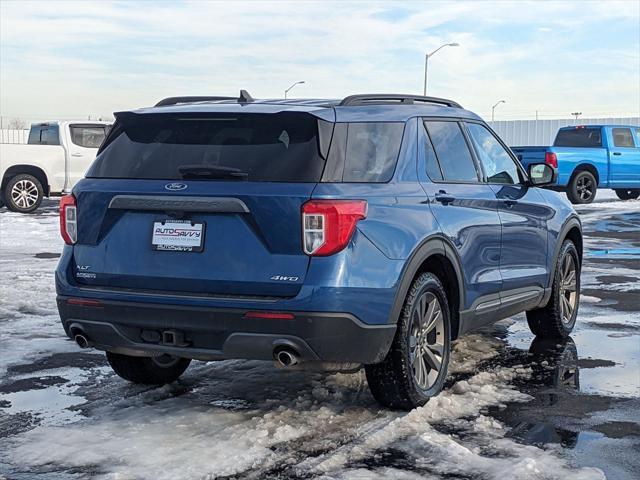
(176,100)
(243,98)
(373,98)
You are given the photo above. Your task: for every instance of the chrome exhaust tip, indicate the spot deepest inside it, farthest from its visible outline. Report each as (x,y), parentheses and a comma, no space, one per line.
(286,357)
(82,341)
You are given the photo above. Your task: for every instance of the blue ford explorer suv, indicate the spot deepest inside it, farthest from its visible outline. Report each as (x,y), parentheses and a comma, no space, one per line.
(372,230)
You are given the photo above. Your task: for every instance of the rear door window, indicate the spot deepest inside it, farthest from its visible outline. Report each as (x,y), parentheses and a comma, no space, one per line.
(279,147)
(44,135)
(498,165)
(433,167)
(87,136)
(372,151)
(622,137)
(453,153)
(579,137)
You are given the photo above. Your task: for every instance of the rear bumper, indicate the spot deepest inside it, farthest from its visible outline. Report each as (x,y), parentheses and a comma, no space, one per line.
(208,333)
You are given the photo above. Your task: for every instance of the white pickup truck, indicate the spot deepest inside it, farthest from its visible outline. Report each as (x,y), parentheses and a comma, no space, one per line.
(56,156)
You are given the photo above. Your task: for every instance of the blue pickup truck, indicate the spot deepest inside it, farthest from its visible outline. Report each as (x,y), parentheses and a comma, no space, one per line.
(589,157)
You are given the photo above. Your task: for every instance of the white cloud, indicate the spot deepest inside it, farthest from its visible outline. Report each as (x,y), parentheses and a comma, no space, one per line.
(78,58)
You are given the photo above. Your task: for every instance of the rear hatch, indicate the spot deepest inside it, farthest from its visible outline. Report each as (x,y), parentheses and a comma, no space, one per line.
(199,203)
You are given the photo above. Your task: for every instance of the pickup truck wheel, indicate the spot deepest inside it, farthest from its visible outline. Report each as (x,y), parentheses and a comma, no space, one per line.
(627,194)
(582,188)
(23,193)
(148,370)
(415,368)
(558,317)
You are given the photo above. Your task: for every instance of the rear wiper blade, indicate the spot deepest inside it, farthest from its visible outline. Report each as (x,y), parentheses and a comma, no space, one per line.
(213,172)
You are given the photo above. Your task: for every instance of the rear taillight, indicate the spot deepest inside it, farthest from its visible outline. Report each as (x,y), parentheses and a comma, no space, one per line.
(327,225)
(68,219)
(550,158)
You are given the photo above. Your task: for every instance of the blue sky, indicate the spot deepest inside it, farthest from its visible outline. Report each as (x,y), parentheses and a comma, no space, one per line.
(74,59)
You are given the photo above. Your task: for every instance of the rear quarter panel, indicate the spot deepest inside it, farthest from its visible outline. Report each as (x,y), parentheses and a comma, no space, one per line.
(398,220)
(49,158)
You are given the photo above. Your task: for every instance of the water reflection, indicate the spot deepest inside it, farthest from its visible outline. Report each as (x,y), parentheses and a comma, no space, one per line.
(556,375)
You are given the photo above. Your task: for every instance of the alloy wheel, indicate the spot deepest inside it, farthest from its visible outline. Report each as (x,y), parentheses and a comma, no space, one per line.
(426,340)
(568,288)
(585,187)
(24,194)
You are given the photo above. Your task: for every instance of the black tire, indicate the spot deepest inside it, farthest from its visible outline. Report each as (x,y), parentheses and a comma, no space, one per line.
(28,202)
(552,320)
(393,382)
(146,370)
(582,187)
(627,194)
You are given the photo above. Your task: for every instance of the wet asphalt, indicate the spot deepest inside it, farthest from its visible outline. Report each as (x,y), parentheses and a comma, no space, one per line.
(585,391)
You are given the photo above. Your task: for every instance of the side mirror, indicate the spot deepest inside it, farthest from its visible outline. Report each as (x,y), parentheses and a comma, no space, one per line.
(542,174)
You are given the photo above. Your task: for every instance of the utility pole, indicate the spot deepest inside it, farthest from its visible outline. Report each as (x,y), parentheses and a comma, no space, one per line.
(493,109)
(426,63)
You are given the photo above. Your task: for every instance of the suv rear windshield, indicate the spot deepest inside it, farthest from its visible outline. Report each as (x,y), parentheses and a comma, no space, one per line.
(280,147)
(579,137)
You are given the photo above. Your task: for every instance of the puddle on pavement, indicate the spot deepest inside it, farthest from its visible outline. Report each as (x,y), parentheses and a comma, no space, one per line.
(609,371)
(52,404)
(633,252)
(578,386)
(51,399)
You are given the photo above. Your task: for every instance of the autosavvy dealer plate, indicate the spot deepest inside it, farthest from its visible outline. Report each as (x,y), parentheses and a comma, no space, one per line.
(178,236)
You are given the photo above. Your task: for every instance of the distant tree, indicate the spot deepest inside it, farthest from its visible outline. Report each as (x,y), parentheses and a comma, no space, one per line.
(17,124)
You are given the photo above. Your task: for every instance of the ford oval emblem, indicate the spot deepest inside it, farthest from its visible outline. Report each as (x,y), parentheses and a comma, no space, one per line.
(174,187)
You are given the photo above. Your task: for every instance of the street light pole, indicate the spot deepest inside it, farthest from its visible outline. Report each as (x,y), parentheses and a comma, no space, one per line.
(493,109)
(426,62)
(287,90)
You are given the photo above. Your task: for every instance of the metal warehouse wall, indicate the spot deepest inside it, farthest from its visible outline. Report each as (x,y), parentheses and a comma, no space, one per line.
(542,132)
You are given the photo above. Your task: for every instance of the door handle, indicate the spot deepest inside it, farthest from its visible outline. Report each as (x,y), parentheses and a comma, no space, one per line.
(76,154)
(510,202)
(444,198)
(617,153)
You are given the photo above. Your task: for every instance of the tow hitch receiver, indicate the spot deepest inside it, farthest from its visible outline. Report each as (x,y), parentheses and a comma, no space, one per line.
(174,338)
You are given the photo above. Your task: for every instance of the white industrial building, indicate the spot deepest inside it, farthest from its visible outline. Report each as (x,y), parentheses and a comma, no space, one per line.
(518,133)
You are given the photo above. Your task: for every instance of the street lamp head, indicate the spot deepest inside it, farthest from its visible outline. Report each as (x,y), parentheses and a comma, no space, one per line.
(454,44)
(493,109)
(293,85)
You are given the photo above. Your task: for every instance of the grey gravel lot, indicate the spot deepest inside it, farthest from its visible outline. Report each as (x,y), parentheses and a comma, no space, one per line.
(514,407)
